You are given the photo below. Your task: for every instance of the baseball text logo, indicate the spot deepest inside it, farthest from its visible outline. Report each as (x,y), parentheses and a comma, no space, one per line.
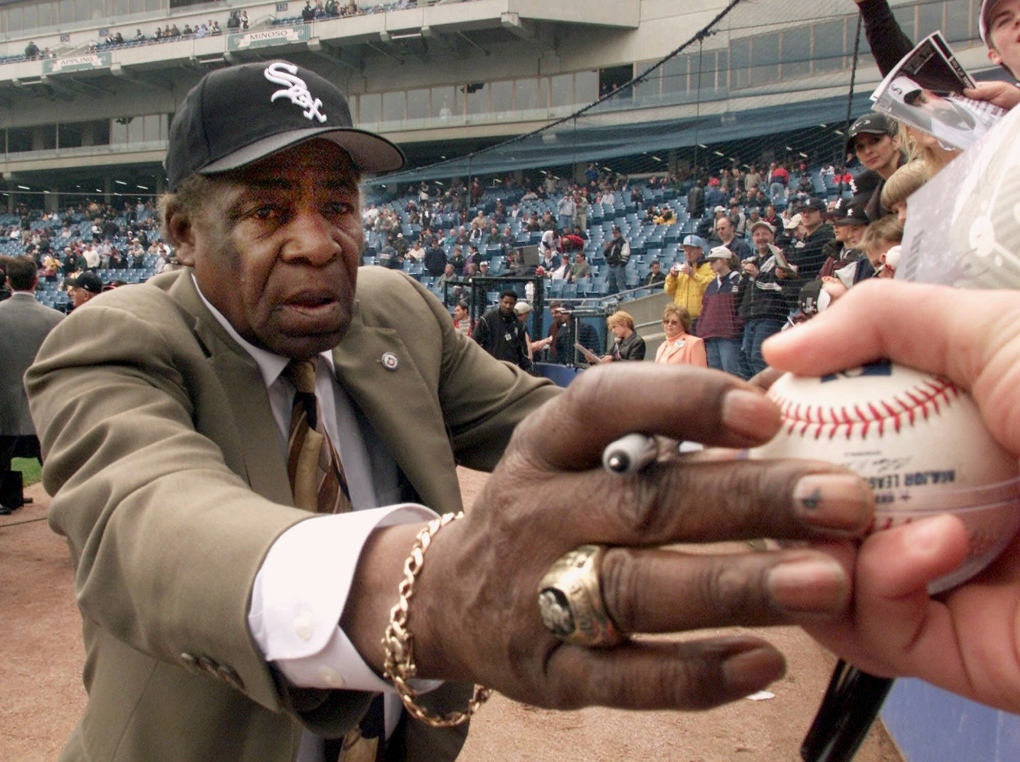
(296,90)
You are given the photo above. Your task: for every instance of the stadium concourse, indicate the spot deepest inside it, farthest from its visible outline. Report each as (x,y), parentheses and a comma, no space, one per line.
(41,654)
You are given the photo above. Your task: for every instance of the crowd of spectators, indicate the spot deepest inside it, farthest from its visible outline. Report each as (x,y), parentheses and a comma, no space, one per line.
(329,10)
(607,237)
(795,235)
(115,244)
(33,52)
(589,235)
(237,21)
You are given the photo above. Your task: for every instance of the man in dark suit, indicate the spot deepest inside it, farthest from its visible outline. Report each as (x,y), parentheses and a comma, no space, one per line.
(24,323)
(221,621)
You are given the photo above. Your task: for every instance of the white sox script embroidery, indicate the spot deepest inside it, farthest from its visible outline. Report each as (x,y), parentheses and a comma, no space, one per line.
(297,91)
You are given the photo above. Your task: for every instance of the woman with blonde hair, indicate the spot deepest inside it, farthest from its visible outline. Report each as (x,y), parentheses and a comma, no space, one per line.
(627,345)
(926,148)
(679,346)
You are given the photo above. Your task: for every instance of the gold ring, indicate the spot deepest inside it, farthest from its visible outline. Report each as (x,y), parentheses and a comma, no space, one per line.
(570,600)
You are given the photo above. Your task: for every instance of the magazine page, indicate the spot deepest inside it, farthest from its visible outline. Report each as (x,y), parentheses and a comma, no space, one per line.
(962,227)
(933,66)
(955,121)
(950,56)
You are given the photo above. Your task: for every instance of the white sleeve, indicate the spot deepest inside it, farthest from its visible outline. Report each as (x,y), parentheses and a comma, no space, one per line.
(300,593)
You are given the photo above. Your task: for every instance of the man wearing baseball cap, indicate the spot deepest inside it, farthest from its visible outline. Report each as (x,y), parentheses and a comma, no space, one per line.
(85,286)
(686,281)
(806,254)
(848,220)
(170,411)
(767,292)
(240,454)
(998,27)
(719,325)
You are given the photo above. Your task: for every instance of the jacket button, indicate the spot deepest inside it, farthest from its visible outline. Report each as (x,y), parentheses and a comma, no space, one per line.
(230,677)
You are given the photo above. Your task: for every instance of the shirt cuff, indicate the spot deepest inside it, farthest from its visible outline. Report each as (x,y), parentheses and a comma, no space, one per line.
(301,590)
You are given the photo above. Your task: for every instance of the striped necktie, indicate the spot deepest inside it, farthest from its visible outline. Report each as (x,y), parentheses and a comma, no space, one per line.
(316,474)
(318,483)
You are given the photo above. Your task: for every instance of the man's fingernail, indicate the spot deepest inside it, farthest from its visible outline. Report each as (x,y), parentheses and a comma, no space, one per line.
(749,413)
(834,501)
(750,671)
(809,585)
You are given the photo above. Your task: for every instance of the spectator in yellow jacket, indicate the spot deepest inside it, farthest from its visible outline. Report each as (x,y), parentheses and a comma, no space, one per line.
(687,282)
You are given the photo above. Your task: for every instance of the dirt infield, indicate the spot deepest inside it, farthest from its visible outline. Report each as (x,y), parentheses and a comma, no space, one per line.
(42,695)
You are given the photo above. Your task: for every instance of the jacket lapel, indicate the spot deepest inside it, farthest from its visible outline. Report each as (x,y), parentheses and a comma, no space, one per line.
(255,452)
(379,372)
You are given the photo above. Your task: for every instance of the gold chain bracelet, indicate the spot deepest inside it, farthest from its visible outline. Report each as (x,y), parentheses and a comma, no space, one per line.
(399,666)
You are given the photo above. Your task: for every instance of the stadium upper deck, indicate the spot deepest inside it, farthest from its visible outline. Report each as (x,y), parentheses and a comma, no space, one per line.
(441,78)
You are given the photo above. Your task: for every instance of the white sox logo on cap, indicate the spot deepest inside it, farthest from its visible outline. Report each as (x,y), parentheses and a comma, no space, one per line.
(297,91)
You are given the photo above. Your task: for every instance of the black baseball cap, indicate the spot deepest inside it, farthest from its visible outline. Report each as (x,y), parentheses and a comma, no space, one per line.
(850,211)
(86,280)
(812,203)
(240,114)
(872,123)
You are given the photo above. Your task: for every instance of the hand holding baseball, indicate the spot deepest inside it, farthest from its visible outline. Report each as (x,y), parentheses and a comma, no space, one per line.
(966,641)
(537,506)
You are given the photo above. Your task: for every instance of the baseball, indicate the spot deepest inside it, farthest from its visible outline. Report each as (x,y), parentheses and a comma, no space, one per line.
(917,439)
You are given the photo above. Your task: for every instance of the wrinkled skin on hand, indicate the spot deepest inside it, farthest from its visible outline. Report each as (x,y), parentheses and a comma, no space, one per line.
(968,639)
(476,617)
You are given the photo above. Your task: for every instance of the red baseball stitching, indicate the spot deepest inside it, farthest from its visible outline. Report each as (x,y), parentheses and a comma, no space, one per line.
(902,410)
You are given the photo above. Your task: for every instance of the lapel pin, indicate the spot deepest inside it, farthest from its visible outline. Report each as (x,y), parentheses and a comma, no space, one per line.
(390,361)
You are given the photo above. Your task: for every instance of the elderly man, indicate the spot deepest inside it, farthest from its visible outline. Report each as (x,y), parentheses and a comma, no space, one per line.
(240,454)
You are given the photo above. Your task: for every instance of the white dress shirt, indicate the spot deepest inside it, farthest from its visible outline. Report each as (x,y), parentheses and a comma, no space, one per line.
(302,587)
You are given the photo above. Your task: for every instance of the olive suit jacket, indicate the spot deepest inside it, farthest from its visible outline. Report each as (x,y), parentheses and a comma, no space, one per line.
(168,481)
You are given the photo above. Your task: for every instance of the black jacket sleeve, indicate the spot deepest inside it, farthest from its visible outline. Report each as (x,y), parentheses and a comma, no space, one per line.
(887,41)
